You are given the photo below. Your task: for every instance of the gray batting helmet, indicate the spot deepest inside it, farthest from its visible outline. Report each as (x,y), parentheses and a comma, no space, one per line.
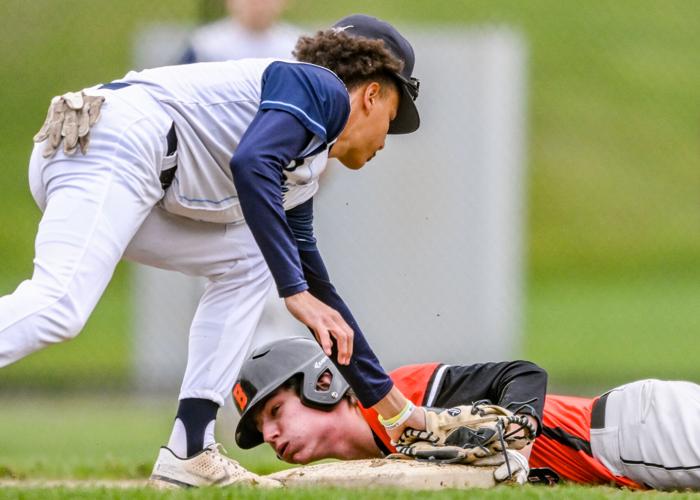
(270,366)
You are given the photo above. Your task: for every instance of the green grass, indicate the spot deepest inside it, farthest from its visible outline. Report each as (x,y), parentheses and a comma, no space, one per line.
(504,493)
(97,360)
(105,437)
(79,438)
(117,438)
(593,333)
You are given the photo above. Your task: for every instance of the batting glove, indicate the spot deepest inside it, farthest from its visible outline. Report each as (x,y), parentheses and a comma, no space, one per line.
(69,119)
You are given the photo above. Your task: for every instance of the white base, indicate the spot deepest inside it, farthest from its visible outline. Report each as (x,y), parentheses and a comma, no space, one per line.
(387,473)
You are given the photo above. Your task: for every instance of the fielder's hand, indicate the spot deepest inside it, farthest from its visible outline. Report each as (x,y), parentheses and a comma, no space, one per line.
(69,118)
(325,322)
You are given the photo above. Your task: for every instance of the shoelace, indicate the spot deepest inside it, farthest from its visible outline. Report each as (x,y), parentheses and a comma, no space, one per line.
(221,454)
(503,447)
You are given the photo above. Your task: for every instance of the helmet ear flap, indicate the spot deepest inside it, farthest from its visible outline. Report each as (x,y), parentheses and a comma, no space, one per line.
(324,381)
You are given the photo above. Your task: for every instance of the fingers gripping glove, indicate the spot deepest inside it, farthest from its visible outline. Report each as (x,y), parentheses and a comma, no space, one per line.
(514,468)
(466,434)
(69,118)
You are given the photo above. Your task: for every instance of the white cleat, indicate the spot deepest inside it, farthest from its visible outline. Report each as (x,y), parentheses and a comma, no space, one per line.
(209,467)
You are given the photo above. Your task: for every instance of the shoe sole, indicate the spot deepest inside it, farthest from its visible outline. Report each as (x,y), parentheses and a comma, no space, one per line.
(166,483)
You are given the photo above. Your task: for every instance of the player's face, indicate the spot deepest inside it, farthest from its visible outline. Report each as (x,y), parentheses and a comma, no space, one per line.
(297,433)
(372,108)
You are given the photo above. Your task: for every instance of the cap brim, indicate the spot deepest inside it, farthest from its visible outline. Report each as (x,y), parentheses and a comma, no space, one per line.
(407,119)
(247,435)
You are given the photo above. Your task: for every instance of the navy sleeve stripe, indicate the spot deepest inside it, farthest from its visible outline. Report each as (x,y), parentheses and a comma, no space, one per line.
(300,114)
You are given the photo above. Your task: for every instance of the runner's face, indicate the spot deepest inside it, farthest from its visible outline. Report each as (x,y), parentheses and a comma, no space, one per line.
(297,433)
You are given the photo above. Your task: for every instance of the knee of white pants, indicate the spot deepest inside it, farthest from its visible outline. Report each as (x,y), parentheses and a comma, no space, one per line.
(66,318)
(69,321)
(53,315)
(222,330)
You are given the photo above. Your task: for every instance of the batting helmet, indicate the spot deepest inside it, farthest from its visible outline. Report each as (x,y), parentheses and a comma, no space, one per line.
(270,366)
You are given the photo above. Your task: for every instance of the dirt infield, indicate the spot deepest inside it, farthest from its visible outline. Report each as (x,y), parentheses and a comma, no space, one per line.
(73,483)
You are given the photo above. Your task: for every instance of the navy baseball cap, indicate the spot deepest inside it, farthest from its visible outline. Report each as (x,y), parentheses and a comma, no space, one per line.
(407,119)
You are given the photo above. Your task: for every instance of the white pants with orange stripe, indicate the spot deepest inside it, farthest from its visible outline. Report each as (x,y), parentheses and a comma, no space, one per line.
(652,434)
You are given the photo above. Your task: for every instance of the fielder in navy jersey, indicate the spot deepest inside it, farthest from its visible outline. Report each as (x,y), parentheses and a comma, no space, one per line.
(210,169)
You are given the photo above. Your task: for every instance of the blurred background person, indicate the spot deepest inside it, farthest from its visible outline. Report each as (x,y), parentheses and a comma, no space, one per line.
(251,29)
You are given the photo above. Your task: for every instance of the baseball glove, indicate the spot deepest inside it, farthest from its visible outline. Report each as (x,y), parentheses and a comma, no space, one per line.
(69,119)
(467,434)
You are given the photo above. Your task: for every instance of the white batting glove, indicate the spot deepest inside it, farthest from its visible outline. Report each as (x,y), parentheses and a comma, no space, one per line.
(519,468)
(69,119)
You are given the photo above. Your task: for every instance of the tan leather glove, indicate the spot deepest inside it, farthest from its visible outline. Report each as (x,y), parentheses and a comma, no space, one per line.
(466,433)
(69,118)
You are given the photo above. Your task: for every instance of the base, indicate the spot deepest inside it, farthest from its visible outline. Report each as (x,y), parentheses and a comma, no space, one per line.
(389,473)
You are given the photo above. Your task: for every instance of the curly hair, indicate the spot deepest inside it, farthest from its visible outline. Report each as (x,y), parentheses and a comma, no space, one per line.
(354,59)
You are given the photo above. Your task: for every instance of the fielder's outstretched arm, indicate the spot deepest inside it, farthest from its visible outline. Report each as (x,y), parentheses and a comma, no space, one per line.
(270,143)
(364,373)
(373,387)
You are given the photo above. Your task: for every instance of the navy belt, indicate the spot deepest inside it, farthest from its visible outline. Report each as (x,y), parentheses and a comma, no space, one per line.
(167,176)
(598,412)
(114,85)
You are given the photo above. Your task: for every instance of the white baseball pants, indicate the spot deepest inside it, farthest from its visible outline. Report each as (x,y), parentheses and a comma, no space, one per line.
(652,434)
(97,205)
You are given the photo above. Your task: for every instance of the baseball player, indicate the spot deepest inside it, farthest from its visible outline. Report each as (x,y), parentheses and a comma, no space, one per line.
(210,169)
(290,396)
(645,434)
